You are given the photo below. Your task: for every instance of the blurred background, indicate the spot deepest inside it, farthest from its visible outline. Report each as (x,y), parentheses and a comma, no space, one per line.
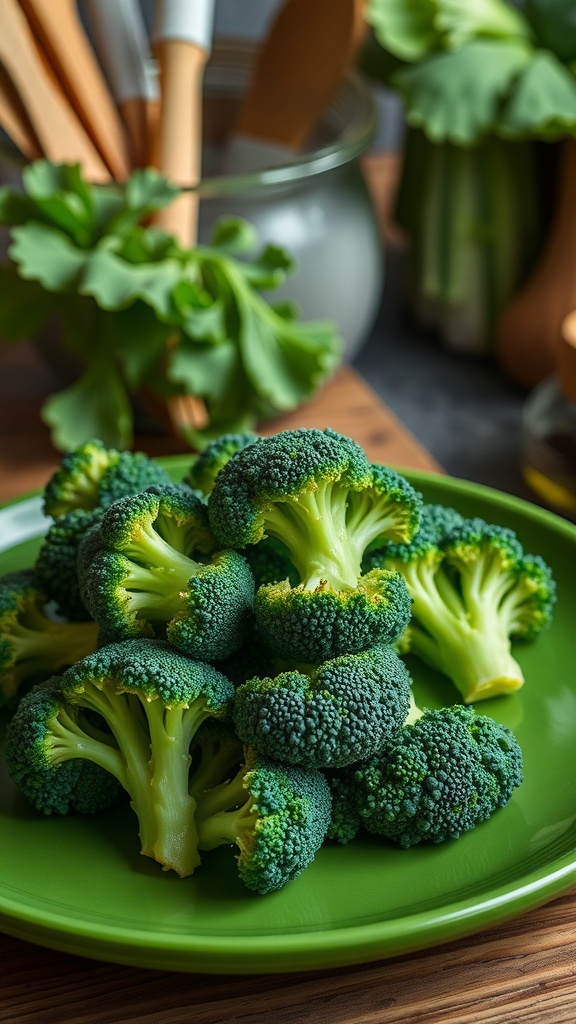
(426,201)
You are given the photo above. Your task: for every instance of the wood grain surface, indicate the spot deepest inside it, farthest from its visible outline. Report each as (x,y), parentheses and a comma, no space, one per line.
(522,972)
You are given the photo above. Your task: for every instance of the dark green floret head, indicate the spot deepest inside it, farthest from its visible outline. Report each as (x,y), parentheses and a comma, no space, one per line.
(93,475)
(277,815)
(315,625)
(33,645)
(208,463)
(328,716)
(443,775)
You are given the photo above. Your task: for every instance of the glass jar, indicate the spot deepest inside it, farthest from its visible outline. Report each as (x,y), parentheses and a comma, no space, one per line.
(317,206)
(549,430)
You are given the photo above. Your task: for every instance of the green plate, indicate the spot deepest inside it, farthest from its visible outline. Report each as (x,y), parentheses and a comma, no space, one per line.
(79,884)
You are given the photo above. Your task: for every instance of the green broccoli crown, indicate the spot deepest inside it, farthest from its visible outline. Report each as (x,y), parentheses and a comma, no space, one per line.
(437,522)
(492,568)
(338,712)
(315,625)
(43,719)
(316,492)
(56,566)
(345,822)
(208,463)
(93,475)
(151,701)
(443,775)
(145,572)
(34,646)
(277,815)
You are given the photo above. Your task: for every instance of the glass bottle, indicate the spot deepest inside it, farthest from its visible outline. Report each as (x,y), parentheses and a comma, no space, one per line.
(549,430)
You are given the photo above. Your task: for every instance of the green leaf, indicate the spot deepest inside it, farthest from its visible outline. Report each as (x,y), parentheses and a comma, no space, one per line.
(59,192)
(404,27)
(463,20)
(544,102)
(145,191)
(554,24)
(213,372)
(233,236)
(44,254)
(201,316)
(270,269)
(95,406)
(456,97)
(116,284)
(138,340)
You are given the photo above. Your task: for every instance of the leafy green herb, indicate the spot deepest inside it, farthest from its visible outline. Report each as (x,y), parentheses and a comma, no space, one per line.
(142,314)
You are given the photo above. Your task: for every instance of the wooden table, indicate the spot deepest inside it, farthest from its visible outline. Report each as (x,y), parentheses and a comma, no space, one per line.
(521,972)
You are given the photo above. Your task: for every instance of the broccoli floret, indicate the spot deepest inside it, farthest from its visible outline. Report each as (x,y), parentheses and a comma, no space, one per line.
(277,815)
(270,562)
(93,475)
(34,646)
(208,463)
(327,715)
(56,566)
(472,590)
(444,774)
(152,701)
(316,493)
(315,625)
(150,569)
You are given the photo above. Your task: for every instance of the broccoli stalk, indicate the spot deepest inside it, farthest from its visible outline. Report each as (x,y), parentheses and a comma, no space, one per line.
(32,645)
(152,701)
(473,589)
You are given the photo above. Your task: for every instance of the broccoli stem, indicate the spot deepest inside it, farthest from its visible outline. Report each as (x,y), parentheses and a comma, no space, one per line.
(40,645)
(151,760)
(471,647)
(225,814)
(313,527)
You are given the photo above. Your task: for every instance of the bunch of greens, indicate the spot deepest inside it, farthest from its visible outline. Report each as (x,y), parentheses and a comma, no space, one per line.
(475,76)
(140,315)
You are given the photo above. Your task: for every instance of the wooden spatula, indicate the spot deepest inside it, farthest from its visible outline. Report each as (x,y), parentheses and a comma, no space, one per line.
(182,40)
(14,120)
(56,127)
(304,58)
(57,27)
(121,42)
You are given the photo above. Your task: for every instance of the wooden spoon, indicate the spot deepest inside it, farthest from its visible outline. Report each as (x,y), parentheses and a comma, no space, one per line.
(182,41)
(59,134)
(57,27)
(121,42)
(14,120)
(308,51)
(529,332)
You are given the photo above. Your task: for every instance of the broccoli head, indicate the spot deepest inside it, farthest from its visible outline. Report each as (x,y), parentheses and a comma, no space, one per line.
(56,566)
(93,475)
(276,815)
(472,590)
(327,715)
(444,774)
(316,493)
(131,710)
(150,569)
(34,646)
(208,463)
